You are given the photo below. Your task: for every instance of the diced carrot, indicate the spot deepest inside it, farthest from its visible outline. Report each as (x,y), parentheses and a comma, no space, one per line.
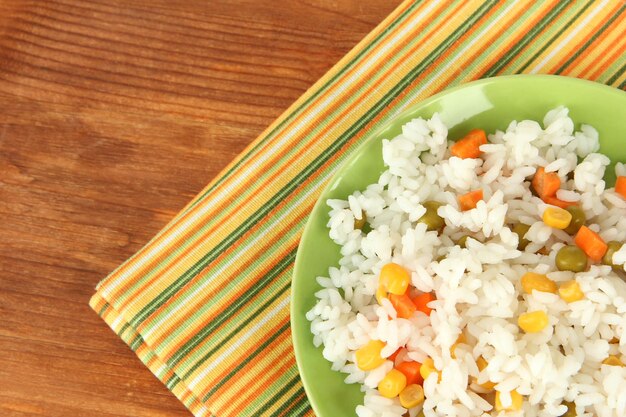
(403,305)
(478,135)
(559,203)
(412,372)
(468,201)
(591,243)
(620,186)
(421,302)
(469,145)
(546,184)
(394,355)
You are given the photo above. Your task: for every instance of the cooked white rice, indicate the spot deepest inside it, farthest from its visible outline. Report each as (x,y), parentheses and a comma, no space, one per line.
(477,288)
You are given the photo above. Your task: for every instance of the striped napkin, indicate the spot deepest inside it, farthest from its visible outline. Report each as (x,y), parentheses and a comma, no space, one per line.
(205,304)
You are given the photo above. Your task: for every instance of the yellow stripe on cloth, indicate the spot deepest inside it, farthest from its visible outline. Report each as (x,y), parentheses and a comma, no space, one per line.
(205,304)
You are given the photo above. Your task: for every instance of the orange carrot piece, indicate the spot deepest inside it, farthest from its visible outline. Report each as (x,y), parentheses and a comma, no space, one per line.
(394,355)
(620,186)
(546,184)
(403,305)
(468,201)
(411,371)
(478,135)
(421,302)
(559,203)
(591,243)
(469,145)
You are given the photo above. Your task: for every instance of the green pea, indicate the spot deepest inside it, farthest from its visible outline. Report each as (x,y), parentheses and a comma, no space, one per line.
(520,229)
(614,246)
(571,409)
(432,220)
(571,258)
(578,219)
(462,241)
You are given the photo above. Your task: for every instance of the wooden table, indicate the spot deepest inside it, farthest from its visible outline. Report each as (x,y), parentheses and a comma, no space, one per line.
(113,115)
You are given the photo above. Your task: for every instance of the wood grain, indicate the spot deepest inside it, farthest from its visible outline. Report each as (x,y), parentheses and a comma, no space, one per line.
(113,115)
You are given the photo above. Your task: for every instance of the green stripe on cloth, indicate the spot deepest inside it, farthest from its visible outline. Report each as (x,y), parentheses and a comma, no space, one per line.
(617,75)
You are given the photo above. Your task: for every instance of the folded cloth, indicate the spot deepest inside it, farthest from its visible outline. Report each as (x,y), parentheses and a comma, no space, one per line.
(205,304)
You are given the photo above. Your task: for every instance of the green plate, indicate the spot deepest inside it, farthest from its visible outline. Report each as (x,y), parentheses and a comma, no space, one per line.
(488,104)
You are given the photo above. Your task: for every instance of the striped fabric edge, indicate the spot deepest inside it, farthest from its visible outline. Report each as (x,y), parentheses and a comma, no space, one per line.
(136,343)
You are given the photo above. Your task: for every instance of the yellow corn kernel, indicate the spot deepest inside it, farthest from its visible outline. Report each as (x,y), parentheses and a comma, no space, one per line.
(452,349)
(368,357)
(532,281)
(428,367)
(533,322)
(488,385)
(557,217)
(412,396)
(516,402)
(570,291)
(613,360)
(482,364)
(459,340)
(381,294)
(395,278)
(392,384)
